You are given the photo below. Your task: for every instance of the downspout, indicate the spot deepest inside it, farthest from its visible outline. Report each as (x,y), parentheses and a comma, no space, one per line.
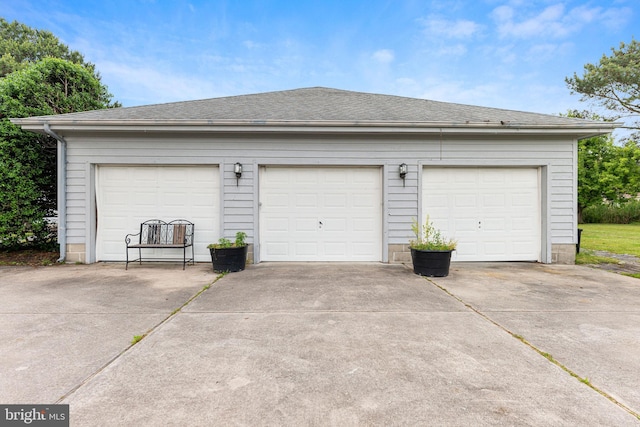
(62,196)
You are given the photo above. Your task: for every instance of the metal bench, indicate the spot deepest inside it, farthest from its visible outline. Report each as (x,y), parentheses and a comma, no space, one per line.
(157,234)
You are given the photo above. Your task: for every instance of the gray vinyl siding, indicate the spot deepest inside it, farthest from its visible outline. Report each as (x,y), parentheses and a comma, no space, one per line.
(238,202)
(76,201)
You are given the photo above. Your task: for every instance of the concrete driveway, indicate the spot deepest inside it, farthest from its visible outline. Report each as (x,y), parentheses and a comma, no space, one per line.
(324,344)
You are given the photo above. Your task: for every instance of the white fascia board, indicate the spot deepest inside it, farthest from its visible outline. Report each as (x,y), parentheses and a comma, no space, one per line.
(318,127)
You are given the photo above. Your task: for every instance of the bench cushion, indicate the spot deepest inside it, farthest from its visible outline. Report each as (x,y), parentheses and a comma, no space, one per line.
(179,231)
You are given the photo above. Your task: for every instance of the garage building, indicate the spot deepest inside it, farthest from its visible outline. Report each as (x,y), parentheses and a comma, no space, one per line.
(320,176)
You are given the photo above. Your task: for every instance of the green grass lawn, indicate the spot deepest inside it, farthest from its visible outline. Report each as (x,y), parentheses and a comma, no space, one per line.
(616,238)
(586,256)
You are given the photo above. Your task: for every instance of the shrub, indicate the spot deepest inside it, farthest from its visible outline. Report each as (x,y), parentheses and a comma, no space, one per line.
(429,238)
(612,214)
(226,243)
(240,236)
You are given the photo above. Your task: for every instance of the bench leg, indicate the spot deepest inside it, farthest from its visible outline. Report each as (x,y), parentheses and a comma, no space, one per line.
(140,256)
(126,266)
(184,257)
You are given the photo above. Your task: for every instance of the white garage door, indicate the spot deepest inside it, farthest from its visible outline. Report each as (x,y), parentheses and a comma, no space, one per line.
(493,213)
(320,214)
(129,195)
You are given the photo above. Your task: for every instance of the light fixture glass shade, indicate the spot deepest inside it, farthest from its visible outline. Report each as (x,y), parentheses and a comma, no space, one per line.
(403,169)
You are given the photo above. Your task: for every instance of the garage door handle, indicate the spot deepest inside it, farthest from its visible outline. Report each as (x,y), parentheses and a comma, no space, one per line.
(320,224)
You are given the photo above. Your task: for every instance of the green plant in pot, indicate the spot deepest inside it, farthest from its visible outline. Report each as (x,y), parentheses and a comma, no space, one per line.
(430,251)
(229,256)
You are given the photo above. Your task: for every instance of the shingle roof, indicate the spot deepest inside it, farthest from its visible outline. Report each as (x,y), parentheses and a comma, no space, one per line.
(317,105)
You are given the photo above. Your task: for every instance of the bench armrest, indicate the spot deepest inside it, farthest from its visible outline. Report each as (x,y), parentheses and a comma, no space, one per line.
(128,237)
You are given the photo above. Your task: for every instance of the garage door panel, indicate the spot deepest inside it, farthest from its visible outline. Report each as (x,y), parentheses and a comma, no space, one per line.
(493,177)
(173,199)
(142,198)
(174,175)
(306,225)
(147,176)
(331,208)
(335,249)
(435,181)
(278,248)
(115,199)
(525,200)
(335,201)
(465,200)
(436,199)
(494,200)
(524,247)
(278,224)
(278,200)
(521,178)
(462,225)
(365,201)
(303,200)
(334,225)
(129,195)
(467,247)
(495,248)
(494,213)
(463,177)
(363,225)
(306,249)
(338,177)
(306,176)
(113,247)
(523,224)
(363,250)
(496,225)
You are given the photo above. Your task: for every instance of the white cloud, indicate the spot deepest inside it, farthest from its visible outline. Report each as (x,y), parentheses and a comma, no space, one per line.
(548,51)
(250,44)
(501,86)
(460,92)
(554,21)
(546,99)
(616,18)
(406,81)
(583,14)
(461,28)
(505,53)
(448,6)
(146,85)
(453,50)
(384,56)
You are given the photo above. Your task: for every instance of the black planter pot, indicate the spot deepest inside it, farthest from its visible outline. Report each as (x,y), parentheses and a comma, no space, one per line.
(228,259)
(431,263)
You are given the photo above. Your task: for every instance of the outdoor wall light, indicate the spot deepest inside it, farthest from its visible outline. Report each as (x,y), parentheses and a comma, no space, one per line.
(237,168)
(403,169)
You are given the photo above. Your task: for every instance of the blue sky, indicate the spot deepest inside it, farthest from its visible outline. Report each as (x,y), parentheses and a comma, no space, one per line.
(512,54)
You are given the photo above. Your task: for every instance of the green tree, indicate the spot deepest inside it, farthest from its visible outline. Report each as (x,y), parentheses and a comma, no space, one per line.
(594,156)
(614,82)
(21,46)
(607,173)
(622,178)
(27,160)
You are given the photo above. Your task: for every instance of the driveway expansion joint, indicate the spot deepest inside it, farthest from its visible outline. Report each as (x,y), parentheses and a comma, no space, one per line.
(544,354)
(135,341)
